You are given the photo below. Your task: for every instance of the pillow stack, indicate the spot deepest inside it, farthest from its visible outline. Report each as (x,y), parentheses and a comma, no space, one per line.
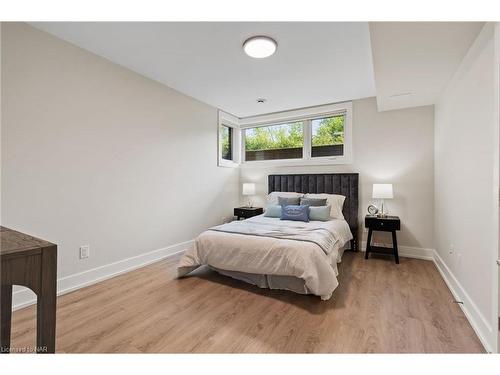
(274,204)
(336,203)
(304,207)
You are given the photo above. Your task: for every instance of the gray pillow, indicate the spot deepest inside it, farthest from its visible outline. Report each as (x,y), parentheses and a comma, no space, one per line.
(313,202)
(273,210)
(287,201)
(320,213)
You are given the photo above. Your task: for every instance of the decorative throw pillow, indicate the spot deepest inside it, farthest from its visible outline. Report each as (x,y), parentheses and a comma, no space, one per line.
(272,198)
(321,213)
(294,212)
(273,210)
(286,201)
(313,202)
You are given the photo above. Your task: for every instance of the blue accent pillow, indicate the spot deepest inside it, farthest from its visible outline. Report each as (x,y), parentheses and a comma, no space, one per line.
(294,212)
(273,210)
(321,213)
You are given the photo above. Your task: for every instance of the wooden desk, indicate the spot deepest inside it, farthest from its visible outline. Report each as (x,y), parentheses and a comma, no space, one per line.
(30,262)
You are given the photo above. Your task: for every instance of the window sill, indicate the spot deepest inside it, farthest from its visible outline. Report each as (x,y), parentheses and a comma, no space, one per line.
(228,164)
(297,162)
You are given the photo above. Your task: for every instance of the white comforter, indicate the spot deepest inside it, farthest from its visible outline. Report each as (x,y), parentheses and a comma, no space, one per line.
(272,256)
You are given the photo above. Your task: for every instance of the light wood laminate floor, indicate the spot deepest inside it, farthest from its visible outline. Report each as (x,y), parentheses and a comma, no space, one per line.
(379,307)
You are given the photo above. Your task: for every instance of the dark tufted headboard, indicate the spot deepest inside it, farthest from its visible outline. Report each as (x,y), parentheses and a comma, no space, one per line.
(345,184)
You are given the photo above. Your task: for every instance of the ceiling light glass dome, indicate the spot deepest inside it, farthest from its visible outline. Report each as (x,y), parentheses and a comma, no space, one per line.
(260,47)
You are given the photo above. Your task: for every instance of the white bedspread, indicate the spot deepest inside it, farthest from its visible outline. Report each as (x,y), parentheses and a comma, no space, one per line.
(272,256)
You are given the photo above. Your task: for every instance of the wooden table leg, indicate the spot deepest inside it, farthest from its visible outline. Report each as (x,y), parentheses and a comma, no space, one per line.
(46,307)
(368,243)
(395,246)
(6,315)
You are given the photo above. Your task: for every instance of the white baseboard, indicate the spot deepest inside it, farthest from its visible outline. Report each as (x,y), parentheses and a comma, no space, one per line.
(407,251)
(480,325)
(25,297)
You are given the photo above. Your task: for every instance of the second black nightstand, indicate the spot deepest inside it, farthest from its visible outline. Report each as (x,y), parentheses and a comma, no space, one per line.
(246,212)
(384,224)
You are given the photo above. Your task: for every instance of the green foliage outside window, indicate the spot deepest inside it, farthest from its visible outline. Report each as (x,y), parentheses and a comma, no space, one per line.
(274,137)
(326,131)
(225,136)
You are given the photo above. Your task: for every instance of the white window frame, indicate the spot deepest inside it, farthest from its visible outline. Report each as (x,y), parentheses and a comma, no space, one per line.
(226,119)
(306,115)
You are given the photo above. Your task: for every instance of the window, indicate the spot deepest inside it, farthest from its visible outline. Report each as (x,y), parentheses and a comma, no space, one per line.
(283,141)
(327,136)
(226,137)
(308,136)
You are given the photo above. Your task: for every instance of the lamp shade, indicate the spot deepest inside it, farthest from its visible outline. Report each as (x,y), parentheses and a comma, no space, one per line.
(382,191)
(248,188)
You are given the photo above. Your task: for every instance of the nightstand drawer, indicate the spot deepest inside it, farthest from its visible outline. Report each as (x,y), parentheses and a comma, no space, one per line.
(247,212)
(241,213)
(389,223)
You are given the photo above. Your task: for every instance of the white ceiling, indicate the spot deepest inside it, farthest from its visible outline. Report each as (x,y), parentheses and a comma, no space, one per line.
(316,63)
(418,58)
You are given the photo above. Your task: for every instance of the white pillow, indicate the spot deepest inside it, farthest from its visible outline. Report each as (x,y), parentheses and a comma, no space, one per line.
(335,201)
(272,198)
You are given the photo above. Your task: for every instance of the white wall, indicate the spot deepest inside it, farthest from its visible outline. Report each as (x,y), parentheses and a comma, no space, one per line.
(1,120)
(465,194)
(93,153)
(496,176)
(394,147)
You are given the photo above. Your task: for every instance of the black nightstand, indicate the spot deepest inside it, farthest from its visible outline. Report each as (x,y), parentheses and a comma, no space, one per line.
(384,224)
(246,212)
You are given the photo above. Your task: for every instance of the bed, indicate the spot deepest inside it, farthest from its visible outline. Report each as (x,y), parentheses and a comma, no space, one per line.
(281,254)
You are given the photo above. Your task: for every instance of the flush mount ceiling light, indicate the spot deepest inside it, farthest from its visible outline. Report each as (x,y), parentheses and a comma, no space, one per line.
(260,47)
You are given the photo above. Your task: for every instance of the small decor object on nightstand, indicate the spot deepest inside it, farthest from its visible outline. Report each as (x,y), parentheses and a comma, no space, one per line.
(384,224)
(382,191)
(248,189)
(372,210)
(247,212)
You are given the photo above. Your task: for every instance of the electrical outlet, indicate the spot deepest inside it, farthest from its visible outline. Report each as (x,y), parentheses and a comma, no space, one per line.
(452,249)
(84,251)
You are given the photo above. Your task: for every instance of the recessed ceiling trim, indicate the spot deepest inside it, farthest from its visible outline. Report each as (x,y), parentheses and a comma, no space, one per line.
(401,95)
(414,61)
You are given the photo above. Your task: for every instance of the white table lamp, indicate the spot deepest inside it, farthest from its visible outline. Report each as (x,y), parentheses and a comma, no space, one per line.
(382,191)
(249,189)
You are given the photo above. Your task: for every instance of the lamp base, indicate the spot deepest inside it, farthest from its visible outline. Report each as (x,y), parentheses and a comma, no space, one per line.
(383,212)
